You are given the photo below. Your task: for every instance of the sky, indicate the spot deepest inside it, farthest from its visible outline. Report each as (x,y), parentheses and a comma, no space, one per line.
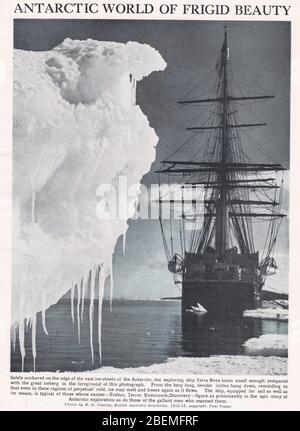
(260,52)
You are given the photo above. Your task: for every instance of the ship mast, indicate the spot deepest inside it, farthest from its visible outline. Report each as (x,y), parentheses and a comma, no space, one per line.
(221,204)
(226,175)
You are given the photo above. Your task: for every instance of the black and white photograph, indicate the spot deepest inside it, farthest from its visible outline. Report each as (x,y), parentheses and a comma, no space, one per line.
(150,196)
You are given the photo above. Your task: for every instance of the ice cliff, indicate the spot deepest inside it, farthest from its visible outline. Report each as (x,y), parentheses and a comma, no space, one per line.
(76,127)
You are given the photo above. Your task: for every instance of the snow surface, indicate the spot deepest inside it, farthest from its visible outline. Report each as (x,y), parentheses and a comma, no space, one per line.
(268,313)
(76,127)
(222,365)
(267,345)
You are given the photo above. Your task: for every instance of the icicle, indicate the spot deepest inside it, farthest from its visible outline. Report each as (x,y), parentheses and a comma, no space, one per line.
(124,243)
(27,324)
(33,339)
(14,335)
(78,310)
(101,282)
(111,285)
(44,314)
(83,291)
(21,329)
(91,312)
(44,321)
(72,302)
(133,91)
(21,341)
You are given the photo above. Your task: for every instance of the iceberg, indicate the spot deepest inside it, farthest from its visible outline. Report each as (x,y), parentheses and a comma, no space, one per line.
(198,309)
(76,127)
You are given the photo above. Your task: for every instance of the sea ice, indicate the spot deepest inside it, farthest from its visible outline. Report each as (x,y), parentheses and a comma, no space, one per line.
(221,365)
(267,345)
(268,313)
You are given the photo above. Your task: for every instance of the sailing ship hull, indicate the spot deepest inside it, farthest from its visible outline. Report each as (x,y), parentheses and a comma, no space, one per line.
(223,295)
(219,267)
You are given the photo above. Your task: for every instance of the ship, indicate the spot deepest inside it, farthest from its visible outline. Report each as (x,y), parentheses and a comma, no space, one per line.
(214,200)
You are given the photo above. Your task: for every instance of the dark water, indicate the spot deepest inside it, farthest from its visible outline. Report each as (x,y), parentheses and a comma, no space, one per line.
(136,333)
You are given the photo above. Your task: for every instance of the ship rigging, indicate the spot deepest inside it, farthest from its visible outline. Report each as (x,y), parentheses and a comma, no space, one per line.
(215,198)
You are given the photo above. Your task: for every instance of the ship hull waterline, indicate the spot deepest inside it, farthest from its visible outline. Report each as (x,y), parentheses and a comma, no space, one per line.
(222,295)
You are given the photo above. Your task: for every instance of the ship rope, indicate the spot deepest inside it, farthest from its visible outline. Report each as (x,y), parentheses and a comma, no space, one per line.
(197,229)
